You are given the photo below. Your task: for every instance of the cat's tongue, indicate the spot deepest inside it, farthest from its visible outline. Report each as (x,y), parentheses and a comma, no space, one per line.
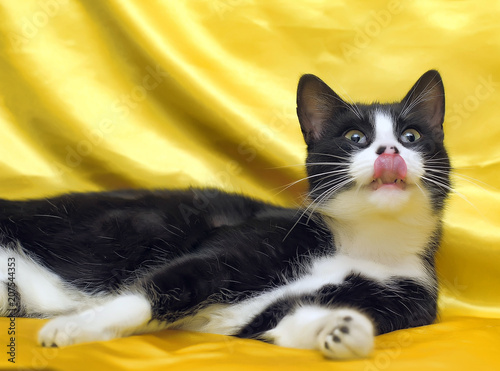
(389,169)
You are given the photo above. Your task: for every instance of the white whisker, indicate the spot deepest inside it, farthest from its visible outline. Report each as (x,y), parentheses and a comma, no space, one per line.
(329,192)
(315,203)
(327,173)
(330,183)
(330,155)
(473,181)
(447,189)
(421,190)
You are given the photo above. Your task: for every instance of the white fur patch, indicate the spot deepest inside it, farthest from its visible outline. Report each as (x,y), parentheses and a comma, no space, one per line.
(4,296)
(120,316)
(88,317)
(41,291)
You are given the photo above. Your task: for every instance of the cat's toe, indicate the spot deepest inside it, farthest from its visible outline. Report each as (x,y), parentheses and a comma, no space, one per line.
(349,334)
(54,334)
(69,330)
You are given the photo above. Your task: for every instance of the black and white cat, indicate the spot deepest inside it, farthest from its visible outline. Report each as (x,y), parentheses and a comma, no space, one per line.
(357,262)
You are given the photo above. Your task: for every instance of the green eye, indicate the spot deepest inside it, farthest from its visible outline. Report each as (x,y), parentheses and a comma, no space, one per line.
(356,136)
(410,136)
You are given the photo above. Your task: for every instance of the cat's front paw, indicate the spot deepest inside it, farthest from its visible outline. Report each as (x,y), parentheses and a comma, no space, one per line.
(120,316)
(348,334)
(71,329)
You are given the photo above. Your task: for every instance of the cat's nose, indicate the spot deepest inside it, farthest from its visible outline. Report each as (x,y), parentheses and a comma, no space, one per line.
(391,150)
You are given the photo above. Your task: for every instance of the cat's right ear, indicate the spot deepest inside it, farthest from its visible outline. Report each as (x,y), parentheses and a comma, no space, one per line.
(426,98)
(316,105)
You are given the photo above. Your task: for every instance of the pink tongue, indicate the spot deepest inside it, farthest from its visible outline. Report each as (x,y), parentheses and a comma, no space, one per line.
(390,167)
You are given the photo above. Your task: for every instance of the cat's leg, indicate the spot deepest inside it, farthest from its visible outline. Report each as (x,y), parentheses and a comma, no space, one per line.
(8,290)
(122,315)
(339,333)
(4,295)
(174,287)
(346,330)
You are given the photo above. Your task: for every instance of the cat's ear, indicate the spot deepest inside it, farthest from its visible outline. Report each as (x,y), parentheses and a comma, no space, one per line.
(316,105)
(426,99)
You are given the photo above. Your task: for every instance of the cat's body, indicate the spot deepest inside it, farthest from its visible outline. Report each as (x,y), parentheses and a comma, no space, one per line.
(358,262)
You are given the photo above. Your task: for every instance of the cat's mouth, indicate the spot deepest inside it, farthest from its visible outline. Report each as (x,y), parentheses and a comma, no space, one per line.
(389,172)
(379,183)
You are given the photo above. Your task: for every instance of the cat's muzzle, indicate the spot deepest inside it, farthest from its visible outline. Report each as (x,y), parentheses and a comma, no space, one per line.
(389,170)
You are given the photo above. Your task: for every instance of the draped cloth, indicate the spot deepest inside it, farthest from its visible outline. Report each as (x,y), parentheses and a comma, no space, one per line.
(170,94)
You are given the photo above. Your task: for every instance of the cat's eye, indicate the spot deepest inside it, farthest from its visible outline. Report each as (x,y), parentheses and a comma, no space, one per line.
(410,136)
(356,136)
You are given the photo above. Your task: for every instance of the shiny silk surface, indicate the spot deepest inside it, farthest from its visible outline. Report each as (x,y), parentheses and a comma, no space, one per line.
(99,95)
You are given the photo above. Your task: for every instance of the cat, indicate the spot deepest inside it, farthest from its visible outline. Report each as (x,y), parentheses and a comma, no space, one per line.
(356,262)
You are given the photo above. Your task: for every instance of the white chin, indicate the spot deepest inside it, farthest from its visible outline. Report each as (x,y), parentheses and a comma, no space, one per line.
(389,198)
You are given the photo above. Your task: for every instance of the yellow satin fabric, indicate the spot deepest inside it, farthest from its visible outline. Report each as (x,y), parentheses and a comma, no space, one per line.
(127,94)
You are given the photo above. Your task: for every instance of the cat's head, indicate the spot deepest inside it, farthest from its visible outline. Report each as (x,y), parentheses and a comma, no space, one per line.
(382,157)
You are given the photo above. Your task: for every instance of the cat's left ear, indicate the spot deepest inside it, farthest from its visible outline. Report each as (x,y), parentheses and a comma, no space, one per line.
(316,105)
(426,99)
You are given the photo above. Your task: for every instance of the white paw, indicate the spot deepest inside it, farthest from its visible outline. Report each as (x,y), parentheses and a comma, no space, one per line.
(347,334)
(120,316)
(72,329)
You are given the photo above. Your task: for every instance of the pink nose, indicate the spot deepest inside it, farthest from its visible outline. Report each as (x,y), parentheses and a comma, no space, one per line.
(389,167)
(391,150)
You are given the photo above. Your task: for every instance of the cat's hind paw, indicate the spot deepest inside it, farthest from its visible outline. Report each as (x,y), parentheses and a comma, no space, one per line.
(348,334)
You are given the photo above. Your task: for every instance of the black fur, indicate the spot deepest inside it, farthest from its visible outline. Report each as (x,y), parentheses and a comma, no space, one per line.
(239,261)
(100,241)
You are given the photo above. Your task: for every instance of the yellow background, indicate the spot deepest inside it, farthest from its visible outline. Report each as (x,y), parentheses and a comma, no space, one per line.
(98,95)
